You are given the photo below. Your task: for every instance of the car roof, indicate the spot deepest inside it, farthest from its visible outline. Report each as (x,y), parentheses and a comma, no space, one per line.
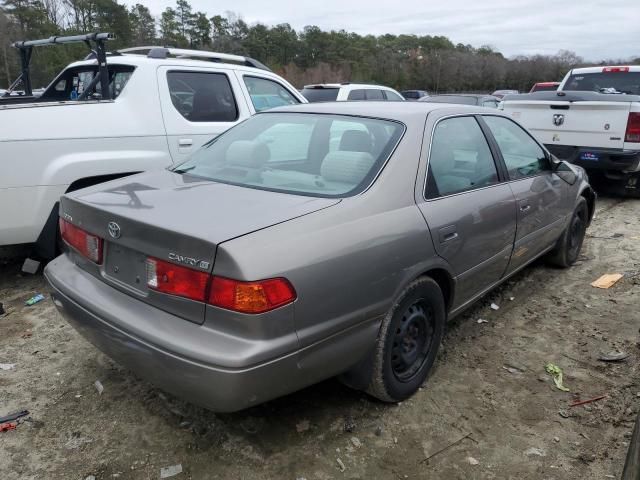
(602,68)
(346,85)
(400,111)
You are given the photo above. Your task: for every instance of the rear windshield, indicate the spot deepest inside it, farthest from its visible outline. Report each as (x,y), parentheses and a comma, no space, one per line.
(544,88)
(452,99)
(410,94)
(320,94)
(300,153)
(72,83)
(605,82)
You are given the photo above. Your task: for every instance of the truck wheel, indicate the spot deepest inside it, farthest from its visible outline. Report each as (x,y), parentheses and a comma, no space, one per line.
(408,341)
(570,242)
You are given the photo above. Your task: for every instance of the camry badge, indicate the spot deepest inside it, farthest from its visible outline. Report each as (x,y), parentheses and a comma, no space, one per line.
(558,119)
(114,230)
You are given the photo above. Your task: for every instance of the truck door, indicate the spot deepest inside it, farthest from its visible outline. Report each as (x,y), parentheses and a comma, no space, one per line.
(198,104)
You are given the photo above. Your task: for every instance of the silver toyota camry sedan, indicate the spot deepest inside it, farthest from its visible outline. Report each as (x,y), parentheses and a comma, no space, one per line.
(309,242)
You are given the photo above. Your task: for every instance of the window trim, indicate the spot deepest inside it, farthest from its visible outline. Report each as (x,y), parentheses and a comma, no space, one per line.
(499,151)
(497,162)
(268,79)
(205,72)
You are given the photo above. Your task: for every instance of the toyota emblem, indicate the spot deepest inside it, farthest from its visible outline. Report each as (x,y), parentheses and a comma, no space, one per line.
(114,230)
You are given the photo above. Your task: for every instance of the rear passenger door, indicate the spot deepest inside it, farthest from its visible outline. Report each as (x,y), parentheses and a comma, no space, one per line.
(197,105)
(468,207)
(541,200)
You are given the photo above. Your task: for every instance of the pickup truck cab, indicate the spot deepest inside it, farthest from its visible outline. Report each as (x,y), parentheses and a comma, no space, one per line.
(162,104)
(592,120)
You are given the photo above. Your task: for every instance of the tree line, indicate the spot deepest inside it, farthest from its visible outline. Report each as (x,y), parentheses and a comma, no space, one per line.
(432,63)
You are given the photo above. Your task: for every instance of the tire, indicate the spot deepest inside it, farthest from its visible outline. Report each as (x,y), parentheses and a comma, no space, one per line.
(569,244)
(408,342)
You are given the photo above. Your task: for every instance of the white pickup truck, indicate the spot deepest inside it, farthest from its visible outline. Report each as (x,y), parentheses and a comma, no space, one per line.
(592,120)
(112,115)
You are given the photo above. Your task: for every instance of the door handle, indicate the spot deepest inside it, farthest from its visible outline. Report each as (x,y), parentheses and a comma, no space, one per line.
(447,234)
(185,142)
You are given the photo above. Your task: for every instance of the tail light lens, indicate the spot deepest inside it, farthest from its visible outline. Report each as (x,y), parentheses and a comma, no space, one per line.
(633,128)
(88,245)
(251,297)
(173,279)
(615,69)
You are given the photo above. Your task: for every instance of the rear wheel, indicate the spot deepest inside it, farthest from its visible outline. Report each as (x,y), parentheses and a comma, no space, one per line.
(570,242)
(408,341)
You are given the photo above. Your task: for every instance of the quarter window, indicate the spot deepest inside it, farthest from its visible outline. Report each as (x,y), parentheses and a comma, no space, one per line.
(460,158)
(394,97)
(267,94)
(202,96)
(522,155)
(373,94)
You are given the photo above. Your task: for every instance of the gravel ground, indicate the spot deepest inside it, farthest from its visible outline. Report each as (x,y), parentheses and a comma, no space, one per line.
(488,411)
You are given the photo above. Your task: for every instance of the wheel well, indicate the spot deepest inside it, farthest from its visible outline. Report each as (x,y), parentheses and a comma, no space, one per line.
(590,196)
(89,181)
(444,281)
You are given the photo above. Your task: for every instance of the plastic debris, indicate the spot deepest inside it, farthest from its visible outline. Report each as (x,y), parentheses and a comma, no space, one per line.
(170,471)
(511,299)
(537,452)
(7,366)
(607,280)
(356,442)
(5,427)
(495,307)
(30,266)
(513,370)
(341,464)
(482,320)
(472,461)
(613,356)
(99,387)
(33,300)
(556,371)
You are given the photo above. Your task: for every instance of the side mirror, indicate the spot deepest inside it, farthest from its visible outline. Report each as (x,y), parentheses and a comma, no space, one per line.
(564,170)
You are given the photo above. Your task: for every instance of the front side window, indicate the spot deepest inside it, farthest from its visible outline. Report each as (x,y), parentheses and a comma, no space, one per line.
(267,94)
(522,155)
(202,96)
(460,158)
(299,153)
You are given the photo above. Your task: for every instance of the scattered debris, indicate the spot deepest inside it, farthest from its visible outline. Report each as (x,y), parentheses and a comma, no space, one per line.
(482,320)
(349,424)
(76,441)
(513,370)
(170,471)
(587,457)
(356,442)
(14,416)
(429,457)
(472,461)
(99,387)
(379,429)
(556,439)
(35,299)
(607,280)
(27,334)
(564,413)
(535,452)
(495,307)
(613,356)
(511,299)
(5,427)
(584,402)
(303,426)
(556,372)
(7,366)
(341,464)
(30,266)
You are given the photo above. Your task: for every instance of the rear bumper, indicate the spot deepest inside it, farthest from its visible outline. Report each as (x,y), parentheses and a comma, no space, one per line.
(617,160)
(217,388)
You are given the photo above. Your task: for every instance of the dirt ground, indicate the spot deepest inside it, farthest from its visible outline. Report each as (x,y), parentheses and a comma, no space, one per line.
(489,410)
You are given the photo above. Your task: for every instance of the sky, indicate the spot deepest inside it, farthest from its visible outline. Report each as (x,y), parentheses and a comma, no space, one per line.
(594,29)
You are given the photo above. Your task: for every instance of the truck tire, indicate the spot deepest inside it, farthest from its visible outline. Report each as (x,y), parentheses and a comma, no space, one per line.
(408,341)
(567,249)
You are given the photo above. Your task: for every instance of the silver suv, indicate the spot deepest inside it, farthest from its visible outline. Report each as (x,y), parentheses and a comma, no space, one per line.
(342,92)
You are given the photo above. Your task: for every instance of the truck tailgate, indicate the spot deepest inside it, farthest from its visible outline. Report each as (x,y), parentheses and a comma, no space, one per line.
(599,124)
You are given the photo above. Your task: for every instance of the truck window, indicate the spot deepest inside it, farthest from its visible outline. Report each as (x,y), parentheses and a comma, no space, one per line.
(267,94)
(202,96)
(72,83)
(605,82)
(374,94)
(356,95)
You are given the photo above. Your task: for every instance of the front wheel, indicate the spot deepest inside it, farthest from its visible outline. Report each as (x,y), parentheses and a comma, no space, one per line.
(570,242)
(408,341)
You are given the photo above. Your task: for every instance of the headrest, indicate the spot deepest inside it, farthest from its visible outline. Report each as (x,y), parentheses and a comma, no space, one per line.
(248,154)
(355,141)
(346,167)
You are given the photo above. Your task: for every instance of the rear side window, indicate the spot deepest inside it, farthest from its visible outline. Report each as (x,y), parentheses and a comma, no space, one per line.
(356,95)
(320,94)
(202,96)
(460,158)
(373,94)
(490,104)
(266,94)
(522,155)
(605,82)
(394,97)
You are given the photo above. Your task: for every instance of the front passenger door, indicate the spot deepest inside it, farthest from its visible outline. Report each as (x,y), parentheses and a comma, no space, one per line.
(538,192)
(470,211)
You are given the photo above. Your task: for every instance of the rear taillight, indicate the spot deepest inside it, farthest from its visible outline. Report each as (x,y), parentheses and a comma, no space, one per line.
(250,297)
(173,279)
(85,243)
(615,69)
(633,128)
